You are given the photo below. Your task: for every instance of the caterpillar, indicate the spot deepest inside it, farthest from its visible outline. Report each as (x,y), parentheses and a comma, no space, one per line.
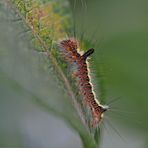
(78,62)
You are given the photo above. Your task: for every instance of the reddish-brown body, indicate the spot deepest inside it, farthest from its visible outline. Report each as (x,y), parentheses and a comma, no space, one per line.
(69,51)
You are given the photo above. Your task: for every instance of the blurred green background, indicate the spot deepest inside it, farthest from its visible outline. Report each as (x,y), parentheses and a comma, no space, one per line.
(121,29)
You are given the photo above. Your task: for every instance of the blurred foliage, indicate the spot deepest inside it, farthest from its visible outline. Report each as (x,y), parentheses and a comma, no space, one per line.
(120,28)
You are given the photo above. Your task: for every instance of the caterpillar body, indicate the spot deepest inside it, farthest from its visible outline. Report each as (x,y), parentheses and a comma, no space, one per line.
(69,49)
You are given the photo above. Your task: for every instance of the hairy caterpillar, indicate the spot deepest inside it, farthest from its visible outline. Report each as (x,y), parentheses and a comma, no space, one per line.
(78,63)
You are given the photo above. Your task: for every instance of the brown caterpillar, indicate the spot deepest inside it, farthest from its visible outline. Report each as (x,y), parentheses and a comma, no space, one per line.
(69,49)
